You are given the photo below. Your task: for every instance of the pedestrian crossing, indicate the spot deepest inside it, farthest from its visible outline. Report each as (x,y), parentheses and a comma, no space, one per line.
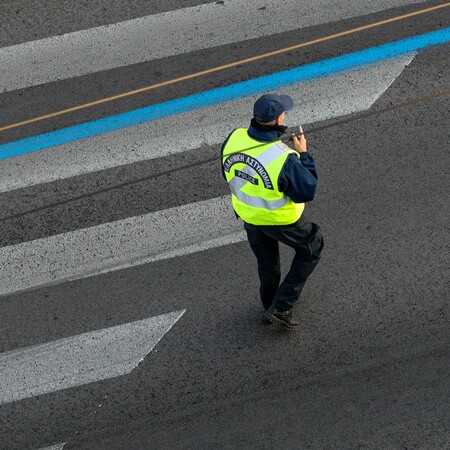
(142,239)
(167,232)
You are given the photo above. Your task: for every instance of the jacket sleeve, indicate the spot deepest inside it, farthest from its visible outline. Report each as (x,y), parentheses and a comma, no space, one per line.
(298,178)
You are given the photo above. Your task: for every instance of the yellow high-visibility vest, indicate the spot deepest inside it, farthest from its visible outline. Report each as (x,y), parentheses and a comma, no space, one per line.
(252,169)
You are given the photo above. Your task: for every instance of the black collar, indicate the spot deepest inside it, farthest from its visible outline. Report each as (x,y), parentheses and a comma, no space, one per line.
(266,133)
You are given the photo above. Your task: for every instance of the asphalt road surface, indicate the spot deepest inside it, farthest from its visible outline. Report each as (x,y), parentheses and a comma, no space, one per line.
(129,310)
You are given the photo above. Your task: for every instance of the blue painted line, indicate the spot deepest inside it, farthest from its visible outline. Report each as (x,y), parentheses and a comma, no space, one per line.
(225,94)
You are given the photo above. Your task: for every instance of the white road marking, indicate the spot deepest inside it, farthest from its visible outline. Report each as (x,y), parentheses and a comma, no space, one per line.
(119,244)
(227,239)
(167,34)
(55,447)
(82,359)
(316,100)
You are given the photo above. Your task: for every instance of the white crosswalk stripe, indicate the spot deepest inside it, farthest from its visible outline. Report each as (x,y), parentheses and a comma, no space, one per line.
(81,359)
(114,245)
(199,27)
(54,447)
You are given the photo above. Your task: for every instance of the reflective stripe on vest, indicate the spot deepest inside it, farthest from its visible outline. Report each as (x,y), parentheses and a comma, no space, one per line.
(254,182)
(236,184)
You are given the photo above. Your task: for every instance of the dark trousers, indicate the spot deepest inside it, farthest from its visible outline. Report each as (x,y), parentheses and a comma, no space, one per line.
(305,238)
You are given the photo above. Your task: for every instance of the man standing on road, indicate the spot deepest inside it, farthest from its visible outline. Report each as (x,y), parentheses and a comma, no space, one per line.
(270,184)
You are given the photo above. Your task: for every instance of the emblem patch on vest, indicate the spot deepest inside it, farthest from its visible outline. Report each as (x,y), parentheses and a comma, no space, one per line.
(236,158)
(246,177)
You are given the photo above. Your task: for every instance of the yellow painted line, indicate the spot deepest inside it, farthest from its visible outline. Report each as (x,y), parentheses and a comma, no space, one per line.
(225,66)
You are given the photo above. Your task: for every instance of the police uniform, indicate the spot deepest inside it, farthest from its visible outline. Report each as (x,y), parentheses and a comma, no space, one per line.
(269,184)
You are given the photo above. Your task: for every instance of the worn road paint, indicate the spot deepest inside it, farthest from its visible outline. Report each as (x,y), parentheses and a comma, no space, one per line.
(82,359)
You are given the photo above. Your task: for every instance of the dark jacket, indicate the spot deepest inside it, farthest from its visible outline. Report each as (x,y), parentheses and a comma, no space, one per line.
(298,177)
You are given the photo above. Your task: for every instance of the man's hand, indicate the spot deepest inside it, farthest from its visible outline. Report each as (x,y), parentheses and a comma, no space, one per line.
(300,141)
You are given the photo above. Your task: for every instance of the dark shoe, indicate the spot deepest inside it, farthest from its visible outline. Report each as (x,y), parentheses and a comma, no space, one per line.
(284,318)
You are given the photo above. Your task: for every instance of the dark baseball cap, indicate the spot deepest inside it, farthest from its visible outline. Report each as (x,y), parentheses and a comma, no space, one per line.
(268,107)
